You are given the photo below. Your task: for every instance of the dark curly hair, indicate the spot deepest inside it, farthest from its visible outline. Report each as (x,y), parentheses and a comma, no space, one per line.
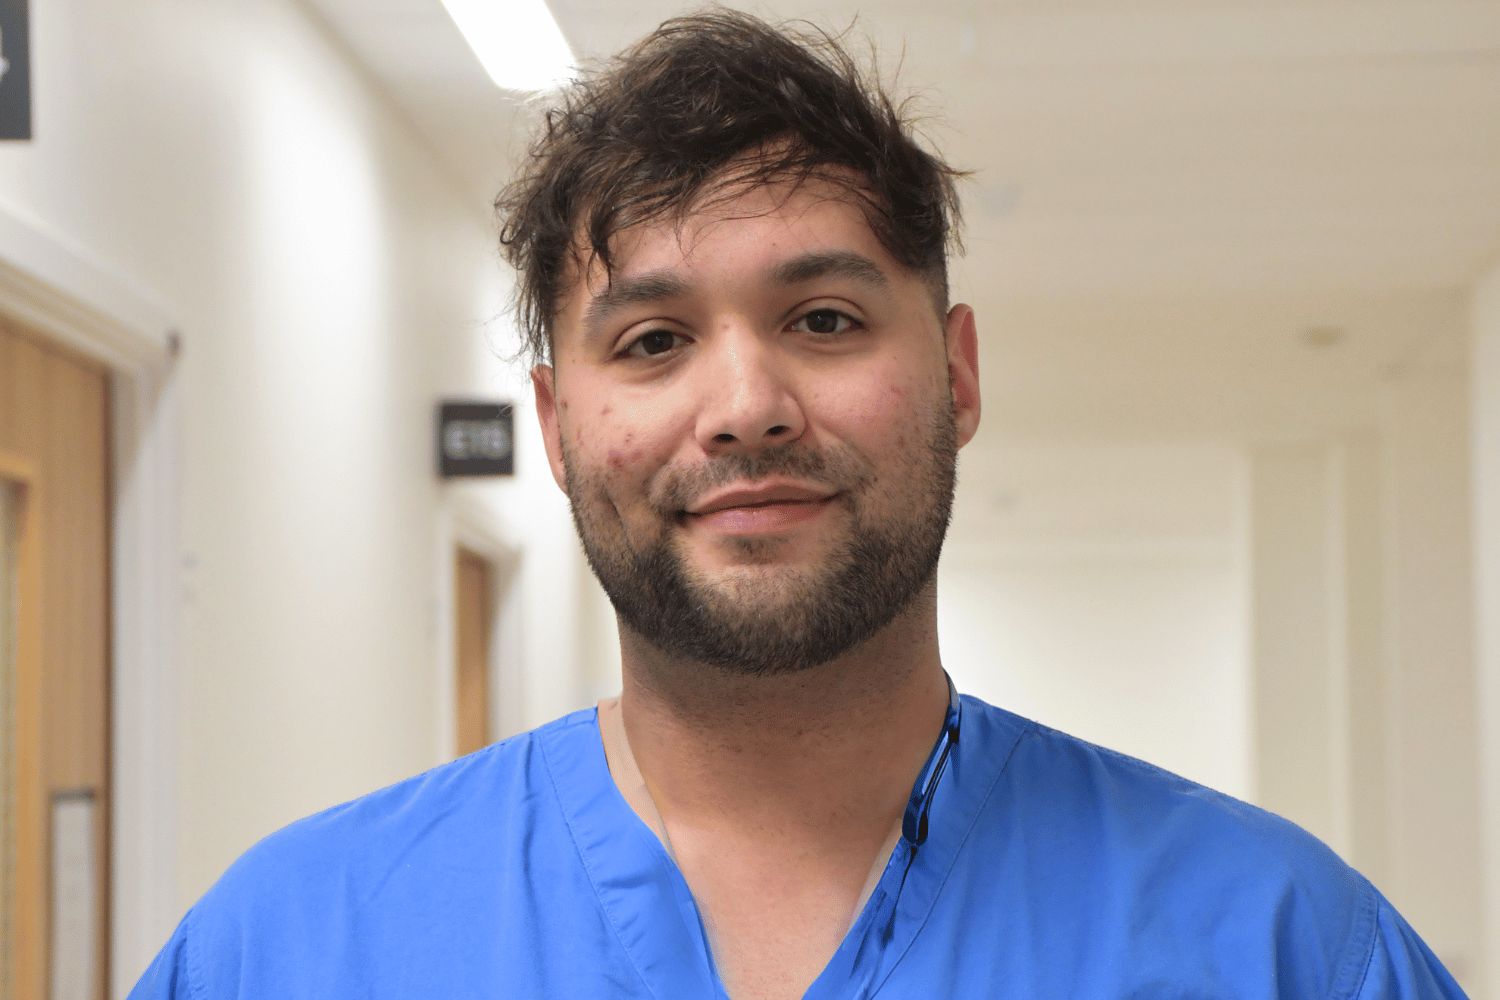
(644,135)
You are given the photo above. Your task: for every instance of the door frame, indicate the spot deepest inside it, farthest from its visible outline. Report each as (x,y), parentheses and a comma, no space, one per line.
(29,821)
(57,287)
(465,521)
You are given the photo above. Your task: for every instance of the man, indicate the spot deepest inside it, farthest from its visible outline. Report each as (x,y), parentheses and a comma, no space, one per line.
(733,254)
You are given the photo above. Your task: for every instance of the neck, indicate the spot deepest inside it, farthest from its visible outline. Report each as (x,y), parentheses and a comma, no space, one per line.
(827,752)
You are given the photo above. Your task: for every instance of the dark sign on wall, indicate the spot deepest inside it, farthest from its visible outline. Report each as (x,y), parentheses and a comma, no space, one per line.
(15,70)
(475,439)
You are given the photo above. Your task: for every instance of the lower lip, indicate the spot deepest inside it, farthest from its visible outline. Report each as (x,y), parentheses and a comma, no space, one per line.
(762,520)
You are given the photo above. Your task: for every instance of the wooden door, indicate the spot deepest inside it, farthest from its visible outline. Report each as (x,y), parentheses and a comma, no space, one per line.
(473,604)
(55,804)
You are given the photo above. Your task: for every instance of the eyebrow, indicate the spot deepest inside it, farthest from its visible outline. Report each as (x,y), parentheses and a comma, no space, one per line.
(830,264)
(654,286)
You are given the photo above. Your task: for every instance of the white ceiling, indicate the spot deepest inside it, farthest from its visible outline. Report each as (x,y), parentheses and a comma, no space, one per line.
(1165,194)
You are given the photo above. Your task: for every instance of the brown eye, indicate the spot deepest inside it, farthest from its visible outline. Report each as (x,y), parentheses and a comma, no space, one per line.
(653,343)
(824,321)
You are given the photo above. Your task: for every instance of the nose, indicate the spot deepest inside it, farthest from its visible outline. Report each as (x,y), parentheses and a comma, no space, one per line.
(747,402)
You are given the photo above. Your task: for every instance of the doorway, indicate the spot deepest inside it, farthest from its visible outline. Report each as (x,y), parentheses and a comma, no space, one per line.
(54,669)
(474,604)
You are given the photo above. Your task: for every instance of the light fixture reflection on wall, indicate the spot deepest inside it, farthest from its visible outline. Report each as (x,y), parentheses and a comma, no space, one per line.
(517,41)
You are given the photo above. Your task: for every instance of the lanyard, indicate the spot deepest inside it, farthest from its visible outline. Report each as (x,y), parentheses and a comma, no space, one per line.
(913,830)
(914,822)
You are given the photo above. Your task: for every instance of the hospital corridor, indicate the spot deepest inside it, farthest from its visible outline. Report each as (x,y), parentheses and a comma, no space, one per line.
(278,527)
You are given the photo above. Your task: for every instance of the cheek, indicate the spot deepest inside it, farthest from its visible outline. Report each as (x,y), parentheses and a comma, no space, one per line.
(612,448)
(624,458)
(885,408)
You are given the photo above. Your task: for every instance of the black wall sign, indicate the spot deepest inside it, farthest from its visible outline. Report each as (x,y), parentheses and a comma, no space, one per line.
(475,439)
(15,70)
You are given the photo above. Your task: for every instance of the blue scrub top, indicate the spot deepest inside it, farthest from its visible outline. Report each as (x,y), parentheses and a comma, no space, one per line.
(1052,868)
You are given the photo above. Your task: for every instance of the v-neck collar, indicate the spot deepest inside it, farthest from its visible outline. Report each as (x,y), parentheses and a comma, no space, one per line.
(626,773)
(648,903)
(640,888)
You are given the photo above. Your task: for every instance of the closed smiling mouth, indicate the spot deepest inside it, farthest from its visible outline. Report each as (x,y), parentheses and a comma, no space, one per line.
(749,497)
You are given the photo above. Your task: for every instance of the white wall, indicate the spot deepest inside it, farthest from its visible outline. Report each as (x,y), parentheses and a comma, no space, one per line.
(1098,587)
(333,281)
(1301,726)
(1433,808)
(1485,452)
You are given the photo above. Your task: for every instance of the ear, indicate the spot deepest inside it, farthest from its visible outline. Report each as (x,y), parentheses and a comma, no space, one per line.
(963,370)
(544,384)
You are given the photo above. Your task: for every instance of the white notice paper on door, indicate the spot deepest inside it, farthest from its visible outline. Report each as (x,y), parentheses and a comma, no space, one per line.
(74,898)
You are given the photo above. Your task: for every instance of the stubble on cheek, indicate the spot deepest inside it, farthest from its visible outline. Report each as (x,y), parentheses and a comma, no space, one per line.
(592,492)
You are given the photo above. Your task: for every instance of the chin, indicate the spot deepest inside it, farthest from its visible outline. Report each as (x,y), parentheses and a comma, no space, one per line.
(760,559)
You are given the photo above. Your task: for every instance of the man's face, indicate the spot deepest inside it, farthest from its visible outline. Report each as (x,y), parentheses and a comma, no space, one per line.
(756,423)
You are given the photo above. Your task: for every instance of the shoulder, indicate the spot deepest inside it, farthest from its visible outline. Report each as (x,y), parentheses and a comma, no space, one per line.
(1091,791)
(502,786)
(1173,861)
(450,831)
(446,884)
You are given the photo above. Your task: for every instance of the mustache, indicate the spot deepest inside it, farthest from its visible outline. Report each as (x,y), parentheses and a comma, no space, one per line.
(838,469)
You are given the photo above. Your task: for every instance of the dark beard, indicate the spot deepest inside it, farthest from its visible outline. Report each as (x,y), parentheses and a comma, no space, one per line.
(782,625)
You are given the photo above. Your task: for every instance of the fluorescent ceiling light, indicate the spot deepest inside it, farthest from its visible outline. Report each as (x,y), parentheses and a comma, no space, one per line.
(518,41)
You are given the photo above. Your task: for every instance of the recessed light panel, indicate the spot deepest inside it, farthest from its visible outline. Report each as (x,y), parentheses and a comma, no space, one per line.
(517,41)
